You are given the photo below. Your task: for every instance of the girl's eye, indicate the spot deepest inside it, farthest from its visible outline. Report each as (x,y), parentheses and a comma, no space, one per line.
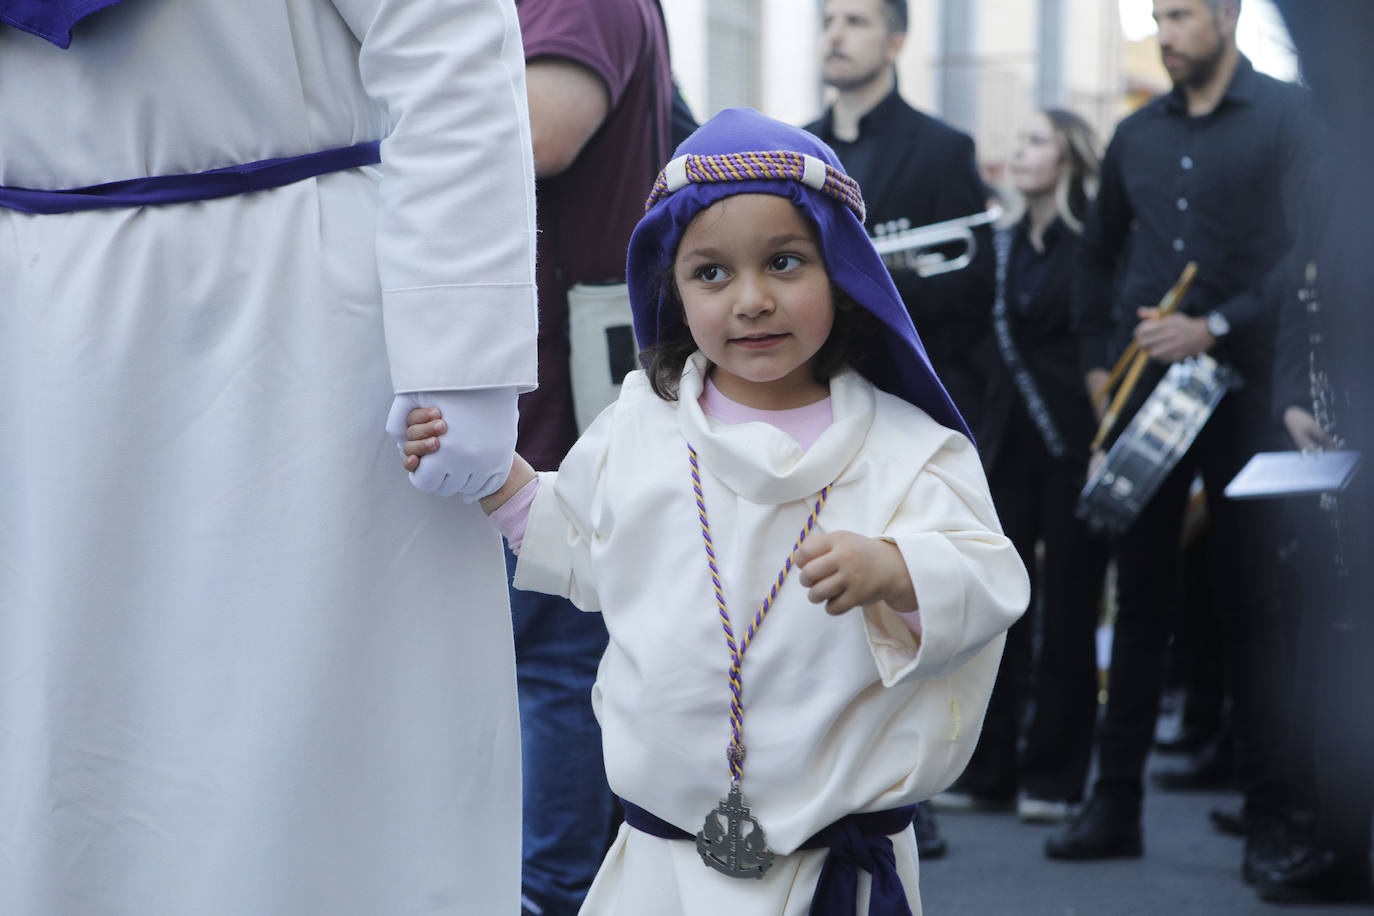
(784,262)
(709,273)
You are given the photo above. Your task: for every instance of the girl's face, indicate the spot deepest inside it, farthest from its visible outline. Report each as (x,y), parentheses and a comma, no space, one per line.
(1037,159)
(757,299)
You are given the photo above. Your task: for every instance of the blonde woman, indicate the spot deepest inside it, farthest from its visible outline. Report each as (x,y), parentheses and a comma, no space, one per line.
(1034,437)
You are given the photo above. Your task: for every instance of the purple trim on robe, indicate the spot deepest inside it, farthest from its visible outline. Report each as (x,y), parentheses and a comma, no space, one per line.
(176,189)
(50,19)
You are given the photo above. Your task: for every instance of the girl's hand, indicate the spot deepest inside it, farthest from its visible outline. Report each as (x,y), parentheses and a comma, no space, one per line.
(844,570)
(426,425)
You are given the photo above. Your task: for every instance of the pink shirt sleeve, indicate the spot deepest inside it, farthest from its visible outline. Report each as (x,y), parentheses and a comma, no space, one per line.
(912,619)
(514,514)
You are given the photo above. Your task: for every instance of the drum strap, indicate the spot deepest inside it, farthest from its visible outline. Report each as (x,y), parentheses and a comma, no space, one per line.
(1001,326)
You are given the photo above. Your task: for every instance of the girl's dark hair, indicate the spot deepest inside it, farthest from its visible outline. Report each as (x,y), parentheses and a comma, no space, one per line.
(853,341)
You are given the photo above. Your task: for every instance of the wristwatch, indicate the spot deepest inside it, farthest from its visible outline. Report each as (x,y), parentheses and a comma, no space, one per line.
(1217,325)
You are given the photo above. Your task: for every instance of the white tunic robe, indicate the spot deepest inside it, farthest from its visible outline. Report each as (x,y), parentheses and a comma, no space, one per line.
(219,692)
(841,714)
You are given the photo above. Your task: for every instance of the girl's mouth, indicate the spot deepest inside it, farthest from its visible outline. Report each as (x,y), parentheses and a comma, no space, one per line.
(759,342)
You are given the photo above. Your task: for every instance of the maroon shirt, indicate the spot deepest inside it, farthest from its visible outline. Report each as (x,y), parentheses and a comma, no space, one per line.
(587,212)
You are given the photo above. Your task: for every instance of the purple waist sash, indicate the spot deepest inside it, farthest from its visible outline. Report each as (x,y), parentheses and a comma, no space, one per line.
(178,189)
(50,19)
(855,841)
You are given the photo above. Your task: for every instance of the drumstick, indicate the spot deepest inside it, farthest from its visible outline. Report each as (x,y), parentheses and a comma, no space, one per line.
(1122,362)
(1166,305)
(1124,392)
(1137,359)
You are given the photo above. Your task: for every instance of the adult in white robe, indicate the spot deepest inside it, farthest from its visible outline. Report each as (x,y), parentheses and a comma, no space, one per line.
(844,714)
(213,697)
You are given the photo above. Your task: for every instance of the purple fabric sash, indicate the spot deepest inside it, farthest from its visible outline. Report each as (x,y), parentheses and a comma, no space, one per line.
(855,841)
(177,189)
(50,19)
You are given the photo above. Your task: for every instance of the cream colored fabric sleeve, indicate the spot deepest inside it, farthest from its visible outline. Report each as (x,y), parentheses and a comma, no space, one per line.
(570,513)
(456,229)
(970,582)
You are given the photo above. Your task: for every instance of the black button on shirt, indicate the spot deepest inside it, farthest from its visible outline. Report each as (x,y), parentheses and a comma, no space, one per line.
(1222,189)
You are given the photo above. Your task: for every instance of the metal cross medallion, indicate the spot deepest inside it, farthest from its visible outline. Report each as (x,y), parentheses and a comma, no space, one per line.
(728,845)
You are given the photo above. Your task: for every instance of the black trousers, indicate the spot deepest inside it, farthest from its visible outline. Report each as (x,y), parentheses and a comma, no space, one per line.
(1336,672)
(1198,652)
(1244,538)
(1035,496)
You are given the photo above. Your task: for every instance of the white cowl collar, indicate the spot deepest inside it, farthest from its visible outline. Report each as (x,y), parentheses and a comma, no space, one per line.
(763,464)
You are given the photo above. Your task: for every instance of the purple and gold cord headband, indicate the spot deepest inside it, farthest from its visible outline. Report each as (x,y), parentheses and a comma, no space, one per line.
(779,164)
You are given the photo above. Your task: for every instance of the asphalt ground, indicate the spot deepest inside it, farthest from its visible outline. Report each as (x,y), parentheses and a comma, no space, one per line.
(996,866)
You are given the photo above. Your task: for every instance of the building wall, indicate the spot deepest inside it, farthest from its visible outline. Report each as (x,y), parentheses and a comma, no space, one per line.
(1007,67)
(1094,49)
(918,67)
(687,43)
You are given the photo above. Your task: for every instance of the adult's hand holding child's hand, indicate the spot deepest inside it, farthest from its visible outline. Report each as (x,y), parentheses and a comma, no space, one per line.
(473,433)
(844,570)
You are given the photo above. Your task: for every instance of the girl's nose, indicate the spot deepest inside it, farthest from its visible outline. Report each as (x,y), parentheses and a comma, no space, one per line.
(754,301)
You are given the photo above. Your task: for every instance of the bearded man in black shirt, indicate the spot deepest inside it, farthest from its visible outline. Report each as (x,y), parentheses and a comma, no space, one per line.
(1212,172)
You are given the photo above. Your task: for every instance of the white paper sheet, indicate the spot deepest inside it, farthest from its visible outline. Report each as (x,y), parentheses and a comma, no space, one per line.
(1275,474)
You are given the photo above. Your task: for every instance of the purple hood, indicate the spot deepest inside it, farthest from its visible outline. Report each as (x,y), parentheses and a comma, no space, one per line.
(740,151)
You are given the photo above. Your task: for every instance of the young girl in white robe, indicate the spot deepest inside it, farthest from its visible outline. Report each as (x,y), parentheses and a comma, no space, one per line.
(787,529)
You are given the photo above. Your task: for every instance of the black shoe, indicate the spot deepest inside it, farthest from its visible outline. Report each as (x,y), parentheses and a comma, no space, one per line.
(1209,769)
(1227,822)
(1104,829)
(1318,877)
(929,843)
(1268,846)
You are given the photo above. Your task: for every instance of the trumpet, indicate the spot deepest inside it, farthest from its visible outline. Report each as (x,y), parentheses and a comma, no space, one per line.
(900,245)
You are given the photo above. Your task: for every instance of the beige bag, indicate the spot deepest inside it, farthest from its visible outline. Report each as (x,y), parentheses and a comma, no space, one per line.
(601,337)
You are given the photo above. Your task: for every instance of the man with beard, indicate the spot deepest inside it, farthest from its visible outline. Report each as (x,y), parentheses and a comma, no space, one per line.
(1211,172)
(914,167)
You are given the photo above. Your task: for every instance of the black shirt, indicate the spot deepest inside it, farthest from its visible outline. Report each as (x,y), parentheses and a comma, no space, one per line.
(860,155)
(914,167)
(1028,269)
(1222,189)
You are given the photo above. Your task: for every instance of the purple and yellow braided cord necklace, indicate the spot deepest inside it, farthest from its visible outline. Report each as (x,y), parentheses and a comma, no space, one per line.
(731,840)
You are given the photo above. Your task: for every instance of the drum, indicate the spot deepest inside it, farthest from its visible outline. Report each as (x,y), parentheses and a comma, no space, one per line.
(1153,443)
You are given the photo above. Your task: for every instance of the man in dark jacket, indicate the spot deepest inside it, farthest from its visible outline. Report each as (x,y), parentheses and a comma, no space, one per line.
(1323,384)
(910,166)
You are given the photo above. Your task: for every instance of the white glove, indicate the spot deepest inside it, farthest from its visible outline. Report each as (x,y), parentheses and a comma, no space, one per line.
(475,455)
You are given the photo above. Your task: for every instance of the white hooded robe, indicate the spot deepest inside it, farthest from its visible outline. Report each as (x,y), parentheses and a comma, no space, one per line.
(220,689)
(842,714)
